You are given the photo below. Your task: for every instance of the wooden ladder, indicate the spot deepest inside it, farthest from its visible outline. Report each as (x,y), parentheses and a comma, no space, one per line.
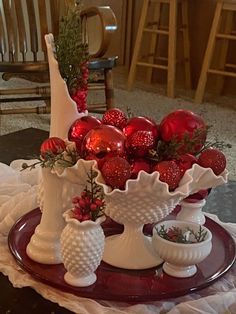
(224,32)
(156,29)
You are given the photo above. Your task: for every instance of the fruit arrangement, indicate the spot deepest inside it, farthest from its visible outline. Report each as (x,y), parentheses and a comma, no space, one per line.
(123,146)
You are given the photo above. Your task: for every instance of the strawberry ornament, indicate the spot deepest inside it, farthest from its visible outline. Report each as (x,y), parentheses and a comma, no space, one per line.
(52,146)
(169,173)
(186,129)
(140,124)
(115,117)
(214,159)
(140,142)
(116,171)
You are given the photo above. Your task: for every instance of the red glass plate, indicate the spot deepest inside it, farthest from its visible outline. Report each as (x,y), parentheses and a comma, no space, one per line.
(120,284)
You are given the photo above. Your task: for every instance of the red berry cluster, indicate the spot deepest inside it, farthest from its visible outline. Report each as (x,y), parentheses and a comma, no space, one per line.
(80,94)
(87,208)
(90,204)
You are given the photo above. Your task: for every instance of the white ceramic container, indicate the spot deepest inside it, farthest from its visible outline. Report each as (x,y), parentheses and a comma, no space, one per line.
(180,259)
(192,211)
(82,246)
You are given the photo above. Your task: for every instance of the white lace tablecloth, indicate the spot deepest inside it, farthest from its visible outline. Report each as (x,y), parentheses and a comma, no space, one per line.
(18,195)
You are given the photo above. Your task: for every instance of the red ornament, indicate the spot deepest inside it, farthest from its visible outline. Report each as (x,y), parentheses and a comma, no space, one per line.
(103,142)
(181,123)
(169,173)
(115,117)
(140,142)
(138,165)
(116,171)
(80,95)
(185,162)
(52,145)
(80,128)
(100,160)
(214,159)
(140,124)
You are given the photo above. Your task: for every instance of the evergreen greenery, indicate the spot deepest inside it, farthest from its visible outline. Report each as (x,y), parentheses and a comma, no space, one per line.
(71,48)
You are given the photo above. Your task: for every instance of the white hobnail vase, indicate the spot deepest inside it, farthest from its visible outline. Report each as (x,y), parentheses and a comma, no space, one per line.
(192,211)
(82,246)
(146,200)
(180,259)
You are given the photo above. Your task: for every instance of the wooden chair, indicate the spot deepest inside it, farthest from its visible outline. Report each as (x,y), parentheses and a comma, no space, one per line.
(23,50)
(222,29)
(151,23)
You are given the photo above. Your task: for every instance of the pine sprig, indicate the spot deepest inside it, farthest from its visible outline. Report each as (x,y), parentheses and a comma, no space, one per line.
(95,189)
(68,158)
(130,114)
(174,148)
(221,145)
(176,234)
(200,235)
(71,48)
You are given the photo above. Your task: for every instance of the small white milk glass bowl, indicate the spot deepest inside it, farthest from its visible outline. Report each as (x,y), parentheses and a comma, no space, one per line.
(180,259)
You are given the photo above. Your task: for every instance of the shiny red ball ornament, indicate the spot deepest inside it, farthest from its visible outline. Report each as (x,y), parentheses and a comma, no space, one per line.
(140,143)
(181,123)
(140,164)
(214,159)
(169,173)
(115,117)
(140,124)
(103,142)
(80,128)
(116,171)
(52,145)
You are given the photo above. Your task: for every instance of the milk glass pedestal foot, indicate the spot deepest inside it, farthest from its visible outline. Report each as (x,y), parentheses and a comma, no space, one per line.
(178,271)
(131,249)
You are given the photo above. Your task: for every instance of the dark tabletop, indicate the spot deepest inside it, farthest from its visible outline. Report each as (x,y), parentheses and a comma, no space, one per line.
(26,144)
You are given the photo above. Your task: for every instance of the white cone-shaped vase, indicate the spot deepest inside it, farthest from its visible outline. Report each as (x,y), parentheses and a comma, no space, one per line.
(55,193)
